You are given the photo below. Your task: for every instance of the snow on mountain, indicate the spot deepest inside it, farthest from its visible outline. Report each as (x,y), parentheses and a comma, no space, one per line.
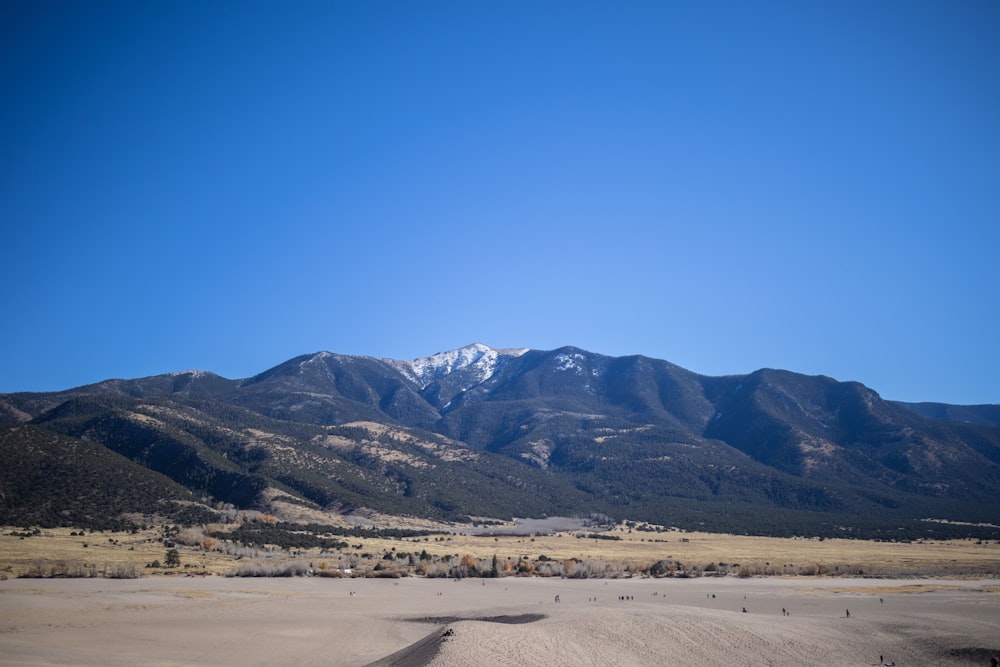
(192,374)
(570,362)
(478,362)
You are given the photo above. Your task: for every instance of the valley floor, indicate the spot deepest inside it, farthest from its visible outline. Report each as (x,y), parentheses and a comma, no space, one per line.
(212,620)
(607,558)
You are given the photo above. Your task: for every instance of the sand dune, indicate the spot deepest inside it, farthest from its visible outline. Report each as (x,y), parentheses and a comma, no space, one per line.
(217,621)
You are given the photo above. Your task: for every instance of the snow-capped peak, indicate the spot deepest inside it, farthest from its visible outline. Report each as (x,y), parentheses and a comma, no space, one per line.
(193,374)
(481,362)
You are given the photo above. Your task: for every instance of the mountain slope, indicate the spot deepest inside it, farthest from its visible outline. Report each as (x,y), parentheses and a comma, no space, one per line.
(983,415)
(326,388)
(151,439)
(832,431)
(48,480)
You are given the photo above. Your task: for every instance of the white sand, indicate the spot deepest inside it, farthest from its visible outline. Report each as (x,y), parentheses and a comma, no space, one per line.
(218,621)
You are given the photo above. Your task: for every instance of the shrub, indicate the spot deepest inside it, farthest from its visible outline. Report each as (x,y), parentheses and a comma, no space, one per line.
(258,569)
(127,570)
(661,567)
(44,568)
(385,574)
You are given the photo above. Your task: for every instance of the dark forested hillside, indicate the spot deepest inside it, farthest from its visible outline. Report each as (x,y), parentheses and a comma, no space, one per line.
(49,480)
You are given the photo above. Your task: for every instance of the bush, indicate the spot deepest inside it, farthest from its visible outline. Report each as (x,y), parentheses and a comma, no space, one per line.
(44,568)
(336,574)
(127,570)
(258,569)
(385,574)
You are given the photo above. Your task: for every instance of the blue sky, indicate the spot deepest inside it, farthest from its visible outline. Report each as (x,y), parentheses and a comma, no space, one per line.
(729,186)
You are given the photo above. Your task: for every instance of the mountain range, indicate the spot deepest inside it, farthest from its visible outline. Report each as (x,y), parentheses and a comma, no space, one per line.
(486,433)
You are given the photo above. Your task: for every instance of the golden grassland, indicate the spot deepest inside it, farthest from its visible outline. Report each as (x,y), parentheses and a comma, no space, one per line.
(776,555)
(19,555)
(694,551)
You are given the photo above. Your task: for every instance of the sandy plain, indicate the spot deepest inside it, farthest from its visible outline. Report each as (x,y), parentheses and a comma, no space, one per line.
(213,620)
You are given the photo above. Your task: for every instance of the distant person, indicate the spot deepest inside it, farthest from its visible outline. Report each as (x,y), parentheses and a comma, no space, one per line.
(848,613)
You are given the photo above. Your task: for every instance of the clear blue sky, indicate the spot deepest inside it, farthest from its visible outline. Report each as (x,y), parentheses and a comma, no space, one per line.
(725,185)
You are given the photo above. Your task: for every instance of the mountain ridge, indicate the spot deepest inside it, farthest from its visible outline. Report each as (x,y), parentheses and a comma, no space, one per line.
(633,436)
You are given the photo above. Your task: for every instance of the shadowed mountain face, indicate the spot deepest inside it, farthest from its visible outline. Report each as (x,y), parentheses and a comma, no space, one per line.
(498,433)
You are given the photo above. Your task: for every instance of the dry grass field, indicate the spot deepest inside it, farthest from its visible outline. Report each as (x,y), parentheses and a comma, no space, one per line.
(20,555)
(691,553)
(703,548)
(760,555)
